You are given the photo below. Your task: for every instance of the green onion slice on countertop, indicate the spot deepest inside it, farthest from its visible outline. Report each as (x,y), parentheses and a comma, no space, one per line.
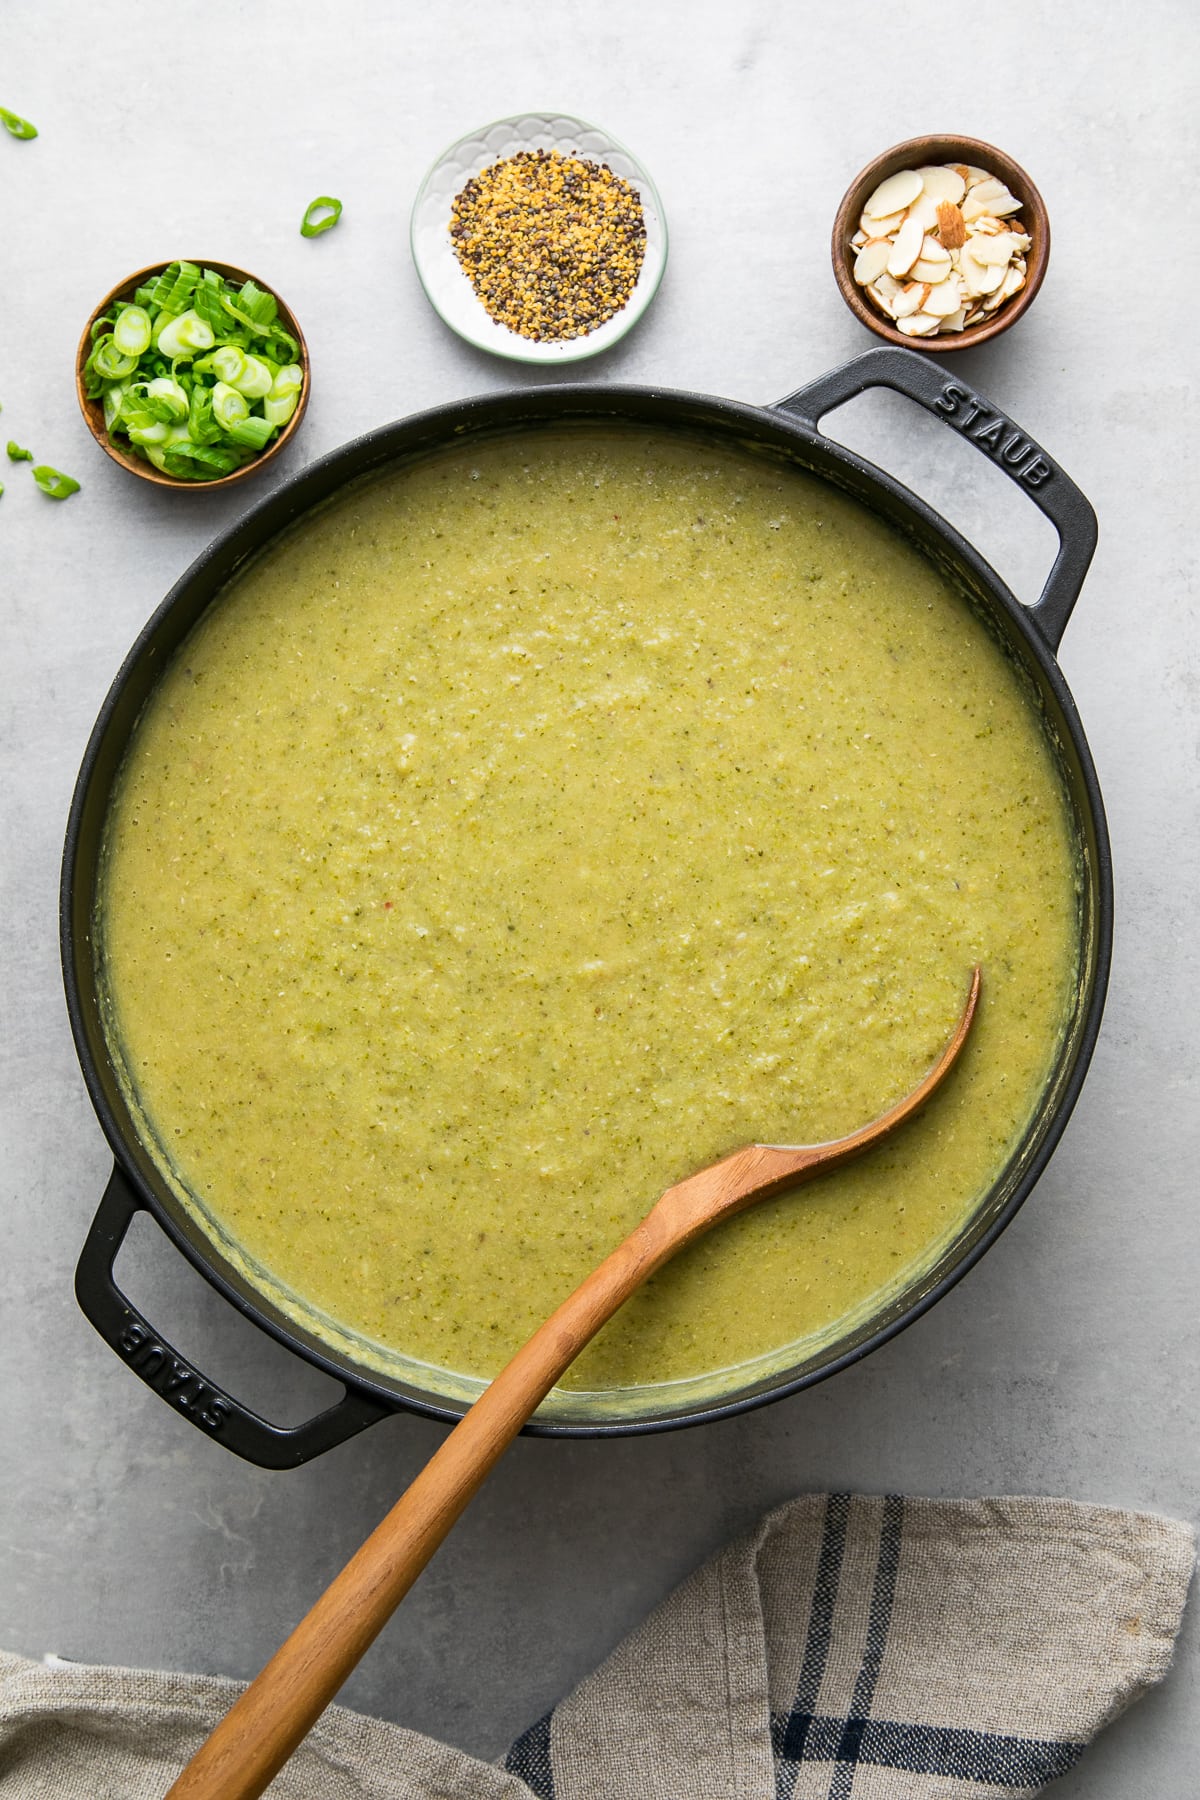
(15,125)
(313,224)
(16,454)
(54,482)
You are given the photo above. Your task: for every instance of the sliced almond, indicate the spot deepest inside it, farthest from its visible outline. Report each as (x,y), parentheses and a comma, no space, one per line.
(880,227)
(973,176)
(887,285)
(996,249)
(931,271)
(894,194)
(872,260)
(918,324)
(910,299)
(987,225)
(1000,206)
(990,188)
(1014,281)
(973,276)
(951,230)
(906,248)
(956,321)
(944,298)
(943,182)
(924,209)
(883,301)
(992,276)
(933,251)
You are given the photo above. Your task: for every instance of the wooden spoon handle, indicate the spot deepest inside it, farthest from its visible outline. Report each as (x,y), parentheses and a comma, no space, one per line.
(264,1726)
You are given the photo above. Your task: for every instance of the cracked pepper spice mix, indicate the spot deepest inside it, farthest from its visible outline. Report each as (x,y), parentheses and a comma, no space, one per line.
(552,244)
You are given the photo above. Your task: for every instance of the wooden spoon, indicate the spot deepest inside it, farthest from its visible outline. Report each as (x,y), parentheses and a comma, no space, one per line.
(263,1727)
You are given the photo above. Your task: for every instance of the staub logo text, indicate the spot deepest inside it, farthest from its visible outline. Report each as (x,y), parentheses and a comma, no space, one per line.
(993,433)
(176,1381)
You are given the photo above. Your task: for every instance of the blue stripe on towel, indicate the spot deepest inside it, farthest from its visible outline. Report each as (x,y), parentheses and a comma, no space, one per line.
(984,1756)
(789,1739)
(530,1759)
(883,1595)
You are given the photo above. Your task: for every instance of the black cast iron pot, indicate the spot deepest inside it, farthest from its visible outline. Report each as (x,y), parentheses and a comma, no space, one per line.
(789,429)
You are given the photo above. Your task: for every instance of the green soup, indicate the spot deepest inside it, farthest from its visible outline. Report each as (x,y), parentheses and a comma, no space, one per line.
(532,826)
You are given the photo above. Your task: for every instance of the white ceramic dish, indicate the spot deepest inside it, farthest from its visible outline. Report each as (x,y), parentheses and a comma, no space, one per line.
(446,284)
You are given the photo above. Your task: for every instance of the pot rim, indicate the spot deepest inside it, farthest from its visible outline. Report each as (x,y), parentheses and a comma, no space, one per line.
(492,414)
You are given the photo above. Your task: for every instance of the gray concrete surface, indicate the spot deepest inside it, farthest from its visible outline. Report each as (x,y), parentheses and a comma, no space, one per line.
(1068,1362)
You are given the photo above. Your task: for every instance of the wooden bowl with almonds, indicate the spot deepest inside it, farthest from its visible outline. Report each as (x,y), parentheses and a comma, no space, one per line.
(940,243)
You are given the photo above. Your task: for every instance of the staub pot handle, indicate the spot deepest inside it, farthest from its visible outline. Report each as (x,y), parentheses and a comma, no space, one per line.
(203,1402)
(993,433)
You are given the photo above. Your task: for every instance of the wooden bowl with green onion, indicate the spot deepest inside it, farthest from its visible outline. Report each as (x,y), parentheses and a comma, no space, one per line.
(245,424)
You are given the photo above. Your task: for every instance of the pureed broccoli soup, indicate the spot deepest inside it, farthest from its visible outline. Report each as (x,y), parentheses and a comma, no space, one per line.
(532,825)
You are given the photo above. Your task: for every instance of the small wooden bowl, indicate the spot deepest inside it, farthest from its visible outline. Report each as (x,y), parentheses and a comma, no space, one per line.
(93,410)
(912,155)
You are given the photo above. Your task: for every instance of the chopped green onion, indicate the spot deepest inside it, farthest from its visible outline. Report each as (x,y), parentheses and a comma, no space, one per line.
(175,286)
(1,487)
(113,399)
(199,462)
(312,225)
(53,482)
(229,407)
(161,321)
(14,123)
(202,427)
(282,346)
(284,396)
(176,434)
(260,306)
(185,335)
(145,429)
(111,363)
(253,432)
(227,363)
(131,333)
(167,398)
(255,379)
(16,454)
(207,299)
(214,377)
(232,306)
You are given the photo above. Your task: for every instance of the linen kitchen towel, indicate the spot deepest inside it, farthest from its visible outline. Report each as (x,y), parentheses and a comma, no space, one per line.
(849,1648)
